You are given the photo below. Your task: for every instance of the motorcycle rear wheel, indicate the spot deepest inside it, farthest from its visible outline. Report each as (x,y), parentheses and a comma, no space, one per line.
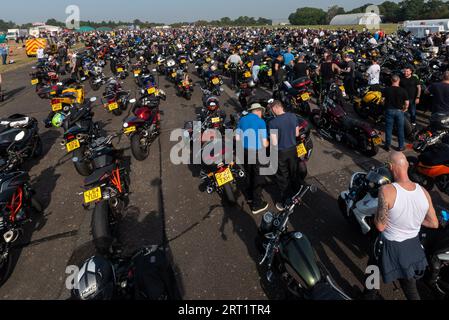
(101,228)
(416,177)
(83,168)
(139,152)
(5,270)
(228,194)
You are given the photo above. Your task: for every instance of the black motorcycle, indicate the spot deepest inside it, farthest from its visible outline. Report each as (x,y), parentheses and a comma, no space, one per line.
(291,257)
(107,188)
(146,275)
(19,135)
(17,207)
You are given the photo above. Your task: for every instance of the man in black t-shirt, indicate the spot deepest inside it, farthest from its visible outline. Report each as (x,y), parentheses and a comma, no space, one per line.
(396,103)
(440,93)
(411,84)
(300,69)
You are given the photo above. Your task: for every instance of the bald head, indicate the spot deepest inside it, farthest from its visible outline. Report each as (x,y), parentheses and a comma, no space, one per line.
(399,166)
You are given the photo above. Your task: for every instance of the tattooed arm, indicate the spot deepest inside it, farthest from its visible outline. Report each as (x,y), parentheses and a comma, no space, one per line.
(381,219)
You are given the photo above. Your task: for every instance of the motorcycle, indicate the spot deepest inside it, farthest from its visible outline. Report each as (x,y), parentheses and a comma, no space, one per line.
(296,95)
(143,276)
(359,206)
(291,257)
(333,122)
(19,135)
(144,126)
(18,206)
(115,99)
(107,188)
(369,106)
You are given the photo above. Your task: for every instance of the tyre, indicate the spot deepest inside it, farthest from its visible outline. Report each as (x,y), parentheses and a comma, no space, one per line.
(139,151)
(302,170)
(228,194)
(5,269)
(117,112)
(305,109)
(371,150)
(316,120)
(36,205)
(188,96)
(39,148)
(408,128)
(94,86)
(83,168)
(101,228)
(416,177)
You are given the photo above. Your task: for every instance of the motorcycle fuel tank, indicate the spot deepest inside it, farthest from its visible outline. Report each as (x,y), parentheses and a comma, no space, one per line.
(299,256)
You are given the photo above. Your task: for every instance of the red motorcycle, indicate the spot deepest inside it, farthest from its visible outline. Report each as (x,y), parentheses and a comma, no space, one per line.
(144,126)
(334,123)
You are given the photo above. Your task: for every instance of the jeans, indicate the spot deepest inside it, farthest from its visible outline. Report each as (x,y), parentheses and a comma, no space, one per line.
(254,179)
(392,117)
(412,111)
(286,176)
(4,57)
(256,70)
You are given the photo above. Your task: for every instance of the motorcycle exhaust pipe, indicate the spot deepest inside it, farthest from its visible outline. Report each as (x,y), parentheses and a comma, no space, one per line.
(11,236)
(209,190)
(63,143)
(114,203)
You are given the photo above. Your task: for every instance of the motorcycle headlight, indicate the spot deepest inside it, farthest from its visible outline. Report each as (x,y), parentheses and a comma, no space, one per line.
(20,136)
(126,125)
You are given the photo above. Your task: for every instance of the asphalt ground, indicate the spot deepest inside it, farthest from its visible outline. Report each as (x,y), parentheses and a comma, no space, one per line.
(211,244)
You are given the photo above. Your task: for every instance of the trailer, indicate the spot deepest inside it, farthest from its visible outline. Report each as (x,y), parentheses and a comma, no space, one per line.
(422,28)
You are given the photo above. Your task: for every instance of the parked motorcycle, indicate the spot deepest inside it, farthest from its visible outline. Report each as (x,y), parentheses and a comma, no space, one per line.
(18,206)
(334,123)
(291,257)
(107,188)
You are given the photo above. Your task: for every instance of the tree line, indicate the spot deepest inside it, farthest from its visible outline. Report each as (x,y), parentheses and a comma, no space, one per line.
(226,21)
(390,11)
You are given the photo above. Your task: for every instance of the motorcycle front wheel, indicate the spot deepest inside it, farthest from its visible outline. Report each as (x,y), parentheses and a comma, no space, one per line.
(5,269)
(94,86)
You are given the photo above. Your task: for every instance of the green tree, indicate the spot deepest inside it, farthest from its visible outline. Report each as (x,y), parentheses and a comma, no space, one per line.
(411,9)
(390,11)
(334,11)
(308,16)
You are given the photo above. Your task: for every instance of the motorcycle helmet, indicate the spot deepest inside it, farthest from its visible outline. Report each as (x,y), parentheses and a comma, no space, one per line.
(58,120)
(212,104)
(96,280)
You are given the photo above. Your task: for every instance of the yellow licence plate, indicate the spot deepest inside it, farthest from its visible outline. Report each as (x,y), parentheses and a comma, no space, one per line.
(270,73)
(56,107)
(137,72)
(377,141)
(173,75)
(119,69)
(34,82)
(215,120)
(92,195)
(305,96)
(151,90)
(301,150)
(215,81)
(247,74)
(342,88)
(183,61)
(113,106)
(224,177)
(130,130)
(73,145)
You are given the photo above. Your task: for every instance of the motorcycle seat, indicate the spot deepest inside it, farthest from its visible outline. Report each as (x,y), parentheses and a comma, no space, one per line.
(435,155)
(349,123)
(98,174)
(301,82)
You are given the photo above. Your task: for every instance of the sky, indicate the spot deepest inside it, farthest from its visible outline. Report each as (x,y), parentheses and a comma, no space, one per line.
(163,11)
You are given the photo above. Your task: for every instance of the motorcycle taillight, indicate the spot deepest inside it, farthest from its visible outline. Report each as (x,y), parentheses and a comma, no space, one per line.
(56,101)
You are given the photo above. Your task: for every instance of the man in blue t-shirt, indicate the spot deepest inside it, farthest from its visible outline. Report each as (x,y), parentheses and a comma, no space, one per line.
(252,133)
(289,58)
(284,129)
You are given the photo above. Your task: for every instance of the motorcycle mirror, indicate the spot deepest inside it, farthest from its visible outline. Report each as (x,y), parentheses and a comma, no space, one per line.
(75,159)
(93,99)
(313,189)
(82,79)
(132,101)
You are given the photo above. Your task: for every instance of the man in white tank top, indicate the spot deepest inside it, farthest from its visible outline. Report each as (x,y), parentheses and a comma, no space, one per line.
(404,207)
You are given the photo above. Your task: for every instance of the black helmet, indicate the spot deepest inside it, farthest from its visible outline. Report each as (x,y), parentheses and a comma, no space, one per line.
(96,280)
